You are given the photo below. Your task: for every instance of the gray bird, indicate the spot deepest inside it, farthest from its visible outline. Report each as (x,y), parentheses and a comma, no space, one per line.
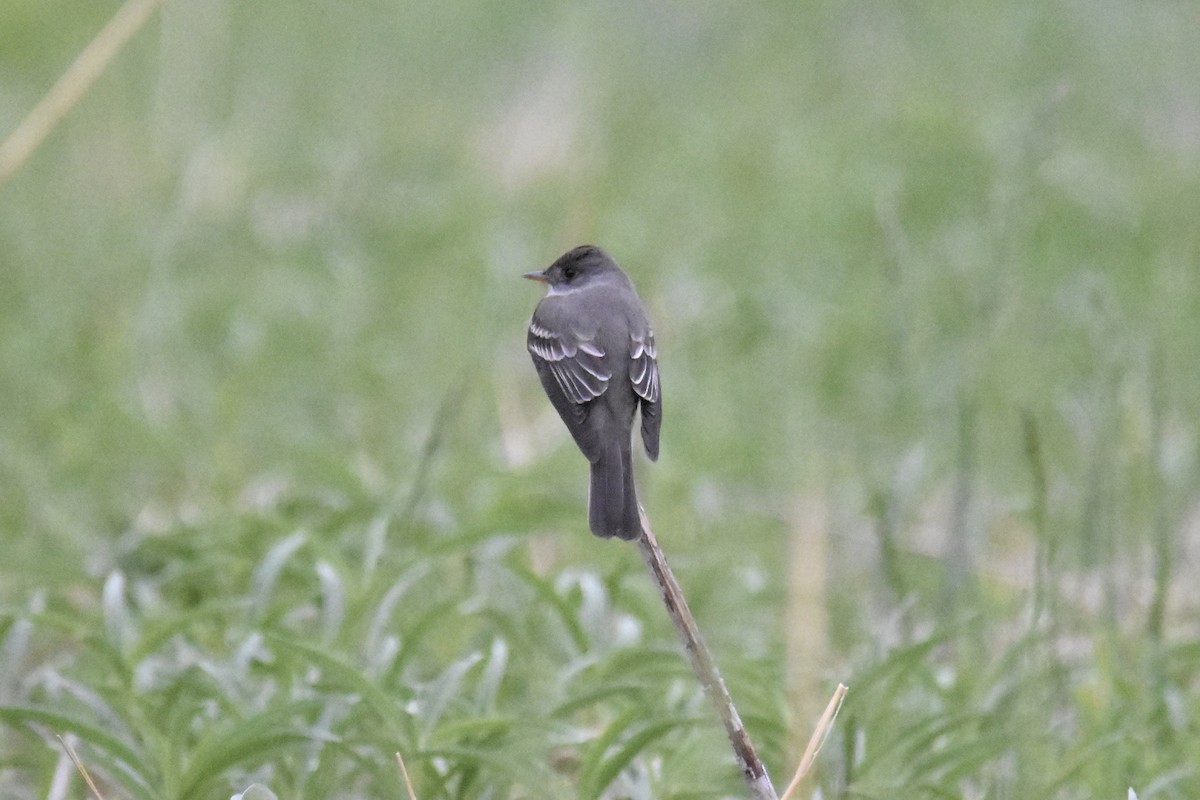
(594,353)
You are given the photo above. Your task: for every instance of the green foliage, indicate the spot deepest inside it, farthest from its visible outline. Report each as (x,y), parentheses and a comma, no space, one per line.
(327,661)
(280,497)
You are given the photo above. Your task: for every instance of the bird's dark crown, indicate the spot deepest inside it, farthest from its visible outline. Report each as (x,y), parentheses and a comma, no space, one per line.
(581,261)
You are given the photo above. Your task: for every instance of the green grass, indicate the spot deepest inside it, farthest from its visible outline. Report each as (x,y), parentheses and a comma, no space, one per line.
(280,496)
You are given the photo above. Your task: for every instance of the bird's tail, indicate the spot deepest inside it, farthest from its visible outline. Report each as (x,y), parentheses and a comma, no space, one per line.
(612,500)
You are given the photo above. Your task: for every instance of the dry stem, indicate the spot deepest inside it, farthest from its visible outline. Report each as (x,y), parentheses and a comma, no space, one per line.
(79,766)
(404,771)
(704,666)
(820,734)
(73,84)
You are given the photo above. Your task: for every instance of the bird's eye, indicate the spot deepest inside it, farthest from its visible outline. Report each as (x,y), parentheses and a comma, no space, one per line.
(569,273)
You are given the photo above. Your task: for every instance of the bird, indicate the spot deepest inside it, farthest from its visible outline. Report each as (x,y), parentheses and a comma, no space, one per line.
(594,352)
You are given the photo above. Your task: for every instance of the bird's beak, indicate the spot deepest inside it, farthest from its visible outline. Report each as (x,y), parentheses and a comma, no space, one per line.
(540,277)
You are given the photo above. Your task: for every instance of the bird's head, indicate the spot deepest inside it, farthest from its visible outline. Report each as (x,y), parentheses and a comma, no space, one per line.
(576,268)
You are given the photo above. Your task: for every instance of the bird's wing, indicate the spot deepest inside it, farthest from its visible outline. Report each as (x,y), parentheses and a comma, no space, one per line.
(643,367)
(575,363)
(643,374)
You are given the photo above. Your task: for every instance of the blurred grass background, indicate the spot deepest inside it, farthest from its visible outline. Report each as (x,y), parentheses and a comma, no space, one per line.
(280,495)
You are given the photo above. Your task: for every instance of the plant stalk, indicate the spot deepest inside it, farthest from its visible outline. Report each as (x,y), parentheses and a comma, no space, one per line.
(704,666)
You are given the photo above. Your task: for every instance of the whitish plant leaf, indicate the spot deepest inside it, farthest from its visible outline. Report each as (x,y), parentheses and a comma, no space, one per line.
(255,791)
(442,690)
(118,620)
(333,599)
(381,619)
(13,649)
(374,544)
(488,686)
(262,583)
(594,607)
(252,649)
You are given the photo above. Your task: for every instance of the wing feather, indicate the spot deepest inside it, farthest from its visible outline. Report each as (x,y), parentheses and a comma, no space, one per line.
(643,369)
(576,364)
(643,374)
